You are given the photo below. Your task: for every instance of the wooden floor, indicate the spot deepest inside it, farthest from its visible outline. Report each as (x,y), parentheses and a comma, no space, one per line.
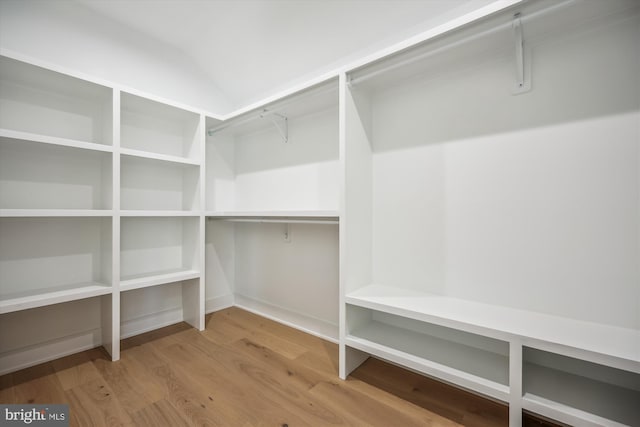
(243,370)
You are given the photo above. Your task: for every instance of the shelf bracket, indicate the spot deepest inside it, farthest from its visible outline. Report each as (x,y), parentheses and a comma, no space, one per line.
(282,127)
(287,233)
(523,59)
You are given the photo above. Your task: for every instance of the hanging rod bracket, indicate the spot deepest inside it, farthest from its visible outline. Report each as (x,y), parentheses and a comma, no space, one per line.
(523,59)
(280,122)
(287,233)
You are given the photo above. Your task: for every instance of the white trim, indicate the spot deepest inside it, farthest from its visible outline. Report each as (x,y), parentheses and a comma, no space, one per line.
(218,303)
(45,352)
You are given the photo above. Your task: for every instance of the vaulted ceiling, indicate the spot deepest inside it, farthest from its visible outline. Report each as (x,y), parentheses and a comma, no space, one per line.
(248,49)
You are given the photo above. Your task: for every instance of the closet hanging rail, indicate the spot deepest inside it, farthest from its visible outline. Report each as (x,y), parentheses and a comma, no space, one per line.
(503,27)
(283,129)
(265,112)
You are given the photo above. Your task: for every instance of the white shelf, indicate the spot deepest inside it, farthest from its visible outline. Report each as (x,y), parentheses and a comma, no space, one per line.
(158,156)
(158,185)
(38,101)
(617,344)
(49,260)
(46,139)
(311,100)
(155,130)
(576,399)
(54,213)
(466,366)
(152,246)
(250,167)
(146,280)
(54,176)
(23,301)
(330,217)
(153,213)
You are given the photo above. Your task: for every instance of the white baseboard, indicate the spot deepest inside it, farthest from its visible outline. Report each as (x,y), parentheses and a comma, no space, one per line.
(51,350)
(140,325)
(44,352)
(310,325)
(218,303)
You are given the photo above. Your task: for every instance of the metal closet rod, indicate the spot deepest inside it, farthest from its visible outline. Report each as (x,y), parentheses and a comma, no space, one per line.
(506,26)
(248,119)
(265,111)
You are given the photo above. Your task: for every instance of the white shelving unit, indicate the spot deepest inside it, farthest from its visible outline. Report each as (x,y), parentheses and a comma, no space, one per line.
(81,199)
(162,226)
(486,222)
(476,200)
(53,106)
(273,182)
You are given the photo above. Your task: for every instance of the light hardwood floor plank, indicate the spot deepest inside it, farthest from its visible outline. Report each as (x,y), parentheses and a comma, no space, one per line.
(95,404)
(160,413)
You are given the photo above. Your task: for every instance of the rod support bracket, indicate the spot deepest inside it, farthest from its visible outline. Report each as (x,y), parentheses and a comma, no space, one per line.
(280,122)
(523,59)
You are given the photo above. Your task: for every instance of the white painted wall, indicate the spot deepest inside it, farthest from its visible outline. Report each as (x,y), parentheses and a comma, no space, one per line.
(530,201)
(258,171)
(70,35)
(300,275)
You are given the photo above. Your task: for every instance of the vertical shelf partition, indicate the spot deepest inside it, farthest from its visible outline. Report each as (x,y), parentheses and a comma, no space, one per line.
(161,221)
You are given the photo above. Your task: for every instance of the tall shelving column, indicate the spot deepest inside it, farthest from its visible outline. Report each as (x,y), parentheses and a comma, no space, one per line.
(199,309)
(111,329)
(56,208)
(160,212)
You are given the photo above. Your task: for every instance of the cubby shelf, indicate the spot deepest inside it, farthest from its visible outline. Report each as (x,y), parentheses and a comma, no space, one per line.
(50,107)
(555,394)
(54,176)
(158,185)
(146,280)
(155,130)
(55,295)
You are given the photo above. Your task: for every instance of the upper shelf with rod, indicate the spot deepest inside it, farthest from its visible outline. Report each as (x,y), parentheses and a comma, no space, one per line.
(277,115)
(510,33)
